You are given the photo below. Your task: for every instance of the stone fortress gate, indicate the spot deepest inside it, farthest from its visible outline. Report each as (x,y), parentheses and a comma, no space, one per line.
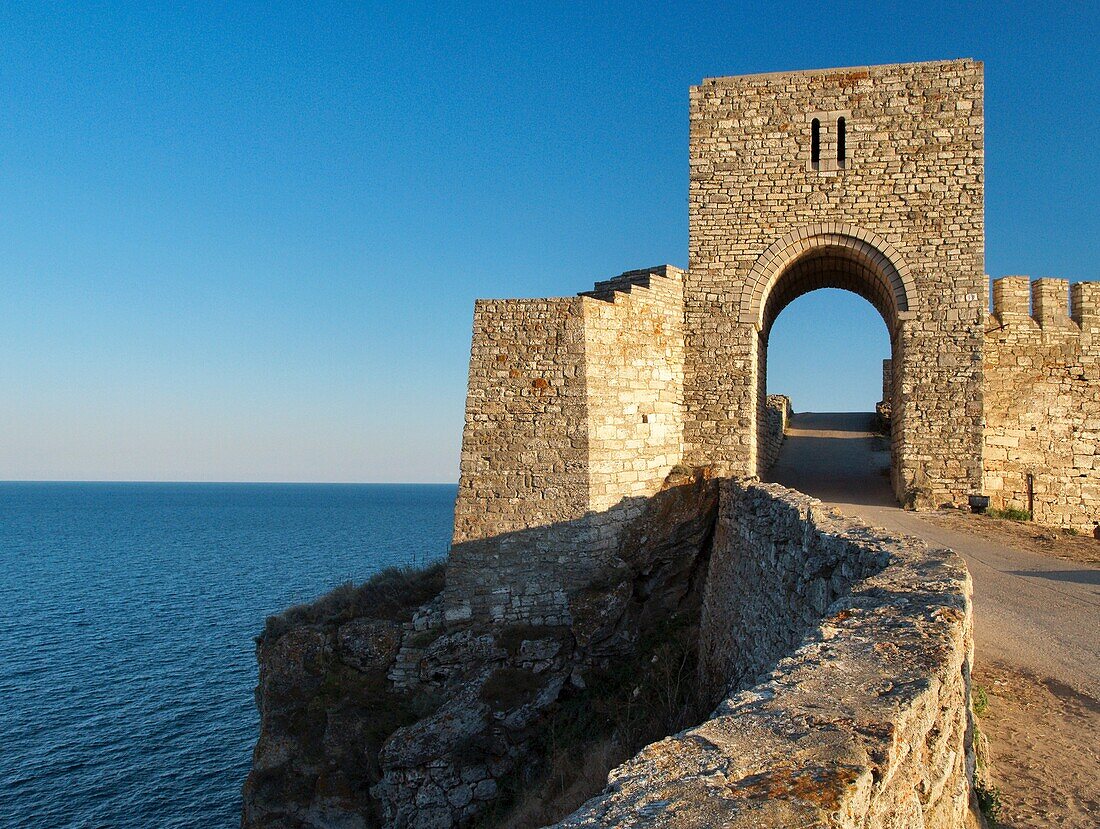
(867,179)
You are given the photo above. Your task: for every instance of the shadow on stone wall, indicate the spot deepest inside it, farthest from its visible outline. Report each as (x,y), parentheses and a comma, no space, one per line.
(537,574)
(845,655)
(826,646)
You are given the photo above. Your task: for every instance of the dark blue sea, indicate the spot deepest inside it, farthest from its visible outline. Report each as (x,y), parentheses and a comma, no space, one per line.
(127,617)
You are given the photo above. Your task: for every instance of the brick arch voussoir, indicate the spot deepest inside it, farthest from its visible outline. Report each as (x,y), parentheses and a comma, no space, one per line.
(863,244)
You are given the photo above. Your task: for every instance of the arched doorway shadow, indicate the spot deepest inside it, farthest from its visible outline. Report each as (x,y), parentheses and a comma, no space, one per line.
(836,456)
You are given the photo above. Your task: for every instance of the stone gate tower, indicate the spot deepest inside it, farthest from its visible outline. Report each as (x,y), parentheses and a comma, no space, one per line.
(867,179)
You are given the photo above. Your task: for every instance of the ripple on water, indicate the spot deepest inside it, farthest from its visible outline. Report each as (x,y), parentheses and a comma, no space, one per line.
(127,617)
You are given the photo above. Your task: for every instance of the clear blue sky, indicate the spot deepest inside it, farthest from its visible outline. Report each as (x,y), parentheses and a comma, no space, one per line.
(242,241)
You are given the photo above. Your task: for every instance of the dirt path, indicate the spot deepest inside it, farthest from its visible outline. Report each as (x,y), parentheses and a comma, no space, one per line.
(1044,751)
(1037,620)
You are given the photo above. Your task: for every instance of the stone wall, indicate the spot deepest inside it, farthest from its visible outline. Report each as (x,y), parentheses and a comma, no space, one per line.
(524,458)
(573,417)
(842,659)
(634,351)
(899,221)
(777,410)
(1042,400)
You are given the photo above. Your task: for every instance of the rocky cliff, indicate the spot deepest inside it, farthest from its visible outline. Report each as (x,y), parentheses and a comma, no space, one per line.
(835,660)
(374,713)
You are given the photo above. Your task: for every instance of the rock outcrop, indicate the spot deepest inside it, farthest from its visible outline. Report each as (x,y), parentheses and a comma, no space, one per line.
(406,721)
(835,659)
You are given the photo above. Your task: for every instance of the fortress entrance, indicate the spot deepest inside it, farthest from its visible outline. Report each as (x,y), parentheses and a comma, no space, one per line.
(822,179)
(844,448)
(836,445)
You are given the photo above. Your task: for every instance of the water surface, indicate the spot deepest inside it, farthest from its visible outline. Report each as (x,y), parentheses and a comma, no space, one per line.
(127,617)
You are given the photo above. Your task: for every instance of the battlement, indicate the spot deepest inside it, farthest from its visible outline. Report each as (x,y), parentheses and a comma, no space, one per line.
(1085,301)
(1049,302)
(1041,389)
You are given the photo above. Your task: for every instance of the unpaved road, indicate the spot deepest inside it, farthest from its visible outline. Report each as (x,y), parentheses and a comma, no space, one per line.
(1036,626)
(1030,610)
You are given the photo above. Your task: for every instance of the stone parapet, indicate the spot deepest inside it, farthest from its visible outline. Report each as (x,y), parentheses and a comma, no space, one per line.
(777,411)
(842,657)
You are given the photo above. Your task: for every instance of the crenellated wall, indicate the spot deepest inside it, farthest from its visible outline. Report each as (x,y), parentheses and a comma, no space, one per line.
(573,418)
(1042,400)
(841,656)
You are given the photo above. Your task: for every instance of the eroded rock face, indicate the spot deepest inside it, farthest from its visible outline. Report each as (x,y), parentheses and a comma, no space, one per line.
(838,658)
(371,722)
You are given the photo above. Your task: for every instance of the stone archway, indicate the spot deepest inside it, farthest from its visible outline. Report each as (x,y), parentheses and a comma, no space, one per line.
(833,255)
(829,256)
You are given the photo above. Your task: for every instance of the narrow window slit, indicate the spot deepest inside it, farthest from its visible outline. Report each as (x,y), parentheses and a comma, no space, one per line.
(815,141)
(841,152)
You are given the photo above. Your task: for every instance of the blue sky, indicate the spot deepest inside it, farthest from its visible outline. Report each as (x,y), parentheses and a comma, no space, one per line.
(241,241)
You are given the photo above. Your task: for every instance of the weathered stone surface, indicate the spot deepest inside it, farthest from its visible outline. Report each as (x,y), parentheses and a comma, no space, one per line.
(369,644)
(860,717)
(1042,401)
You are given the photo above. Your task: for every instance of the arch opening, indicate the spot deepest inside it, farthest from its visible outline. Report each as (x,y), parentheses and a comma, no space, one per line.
(831,266)
(825,351)
(827,462)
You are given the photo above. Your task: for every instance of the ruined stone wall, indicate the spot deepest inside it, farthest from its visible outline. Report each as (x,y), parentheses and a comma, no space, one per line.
(573,418)
(900,221)
(1042,400)
(842,659)
(777,409)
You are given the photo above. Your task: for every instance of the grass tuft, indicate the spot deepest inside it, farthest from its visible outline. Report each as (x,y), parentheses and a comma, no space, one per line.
(1009,514)
(979,700)
(393,594)
(989,802)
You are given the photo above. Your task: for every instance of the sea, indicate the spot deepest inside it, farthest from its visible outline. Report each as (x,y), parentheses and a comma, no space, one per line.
(128,613)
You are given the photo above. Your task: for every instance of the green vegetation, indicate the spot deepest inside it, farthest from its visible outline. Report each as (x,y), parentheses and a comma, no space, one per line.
(1009,514)
(394,594)
(987,794)
(979,700)
(989,802)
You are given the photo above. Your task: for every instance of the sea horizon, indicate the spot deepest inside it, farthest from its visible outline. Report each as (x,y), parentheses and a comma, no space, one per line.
(182,481)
